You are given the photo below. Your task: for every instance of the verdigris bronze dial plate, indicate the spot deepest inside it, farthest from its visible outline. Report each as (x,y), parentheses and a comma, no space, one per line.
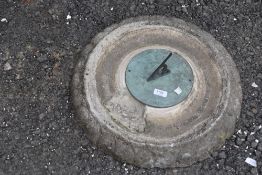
(165,90)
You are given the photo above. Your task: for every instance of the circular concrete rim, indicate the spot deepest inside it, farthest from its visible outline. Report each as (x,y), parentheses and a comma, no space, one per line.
(155,154)
(157,114)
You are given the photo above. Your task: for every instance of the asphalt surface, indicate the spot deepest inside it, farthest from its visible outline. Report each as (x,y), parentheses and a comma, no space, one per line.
(39,42)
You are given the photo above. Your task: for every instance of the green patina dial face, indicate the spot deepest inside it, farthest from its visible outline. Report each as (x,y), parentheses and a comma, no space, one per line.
(159,78)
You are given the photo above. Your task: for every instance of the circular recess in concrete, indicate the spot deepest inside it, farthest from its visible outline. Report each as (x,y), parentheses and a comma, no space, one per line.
(119,109)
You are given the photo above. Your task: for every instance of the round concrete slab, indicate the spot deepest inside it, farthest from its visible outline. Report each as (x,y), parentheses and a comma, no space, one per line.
(140,133)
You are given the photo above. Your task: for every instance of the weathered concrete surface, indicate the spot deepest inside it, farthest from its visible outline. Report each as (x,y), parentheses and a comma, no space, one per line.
(145,136)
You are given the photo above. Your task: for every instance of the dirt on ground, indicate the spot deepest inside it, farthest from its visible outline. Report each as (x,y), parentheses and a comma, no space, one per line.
(39,44)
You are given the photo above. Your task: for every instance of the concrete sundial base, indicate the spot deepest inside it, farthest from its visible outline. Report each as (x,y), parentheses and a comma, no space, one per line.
(174,120)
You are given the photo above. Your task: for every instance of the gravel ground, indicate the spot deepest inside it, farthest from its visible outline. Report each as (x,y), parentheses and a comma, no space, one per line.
(39,41)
